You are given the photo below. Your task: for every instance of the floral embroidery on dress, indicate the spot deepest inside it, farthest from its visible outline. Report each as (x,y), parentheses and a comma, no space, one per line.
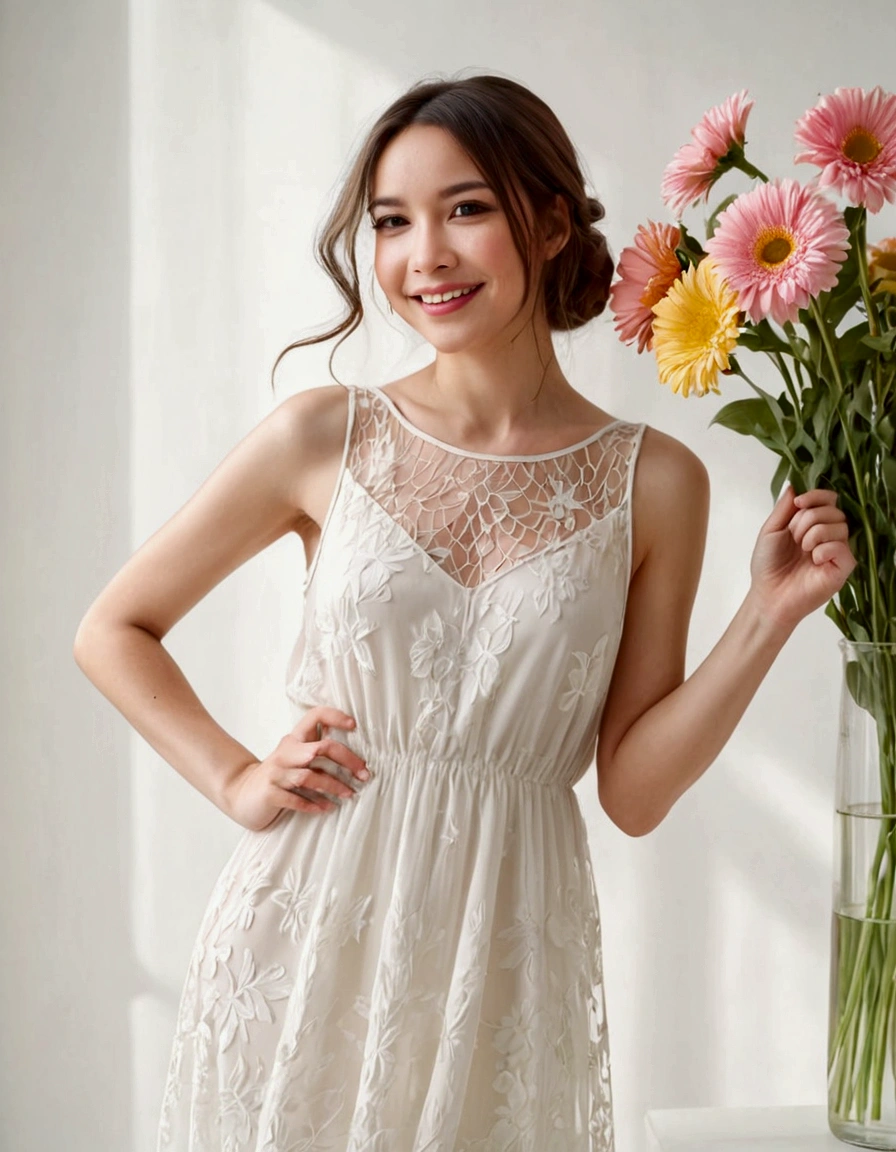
(239,1103)
(457,665)
(587,670)
(342,631)
(296,899)
(562,503)
(420,971)
(560,578)
(248,997)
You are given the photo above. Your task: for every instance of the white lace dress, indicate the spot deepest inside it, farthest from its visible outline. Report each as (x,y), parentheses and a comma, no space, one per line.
(419,970)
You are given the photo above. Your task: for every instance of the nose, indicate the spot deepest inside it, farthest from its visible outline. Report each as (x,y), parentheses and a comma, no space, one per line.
(431,249)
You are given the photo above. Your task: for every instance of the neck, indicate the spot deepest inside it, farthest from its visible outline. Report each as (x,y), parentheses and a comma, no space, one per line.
(492,391)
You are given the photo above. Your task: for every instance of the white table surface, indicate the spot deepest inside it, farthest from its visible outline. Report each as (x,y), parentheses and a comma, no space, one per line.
(802,1128)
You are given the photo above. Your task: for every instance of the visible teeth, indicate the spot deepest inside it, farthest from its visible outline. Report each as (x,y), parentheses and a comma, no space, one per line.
(441,297)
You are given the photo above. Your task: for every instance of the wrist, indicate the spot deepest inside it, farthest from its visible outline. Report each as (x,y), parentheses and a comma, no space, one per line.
(229,785)
(766,625)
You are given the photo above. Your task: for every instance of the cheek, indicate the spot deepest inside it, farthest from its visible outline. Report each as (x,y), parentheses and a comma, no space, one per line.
(499,253)
(388,269)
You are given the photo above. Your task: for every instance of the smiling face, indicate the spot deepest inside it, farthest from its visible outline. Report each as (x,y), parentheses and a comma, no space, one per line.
(439,229)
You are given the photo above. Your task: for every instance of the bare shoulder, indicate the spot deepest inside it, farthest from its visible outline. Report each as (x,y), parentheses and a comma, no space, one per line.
(313,425)
(670,488)
(278,479)
(314,421)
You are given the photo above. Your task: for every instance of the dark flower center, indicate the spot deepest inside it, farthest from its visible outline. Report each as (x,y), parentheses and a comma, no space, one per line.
(861,147)
(774,246)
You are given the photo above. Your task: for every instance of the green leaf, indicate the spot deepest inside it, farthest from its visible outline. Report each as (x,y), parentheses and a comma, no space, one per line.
(853,215)
(749,417)
(866,680)
(839,303)
(821,461)
(862,401)
(800,349)
(800,438)
(779,477)
(884,433)
(885,343)
(762,337)
(832,611)
(689,250)
(851,346)
(888,471)
(860,685)
(713,222)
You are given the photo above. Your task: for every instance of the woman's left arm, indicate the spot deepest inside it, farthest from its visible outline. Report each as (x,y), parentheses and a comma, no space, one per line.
(659,731)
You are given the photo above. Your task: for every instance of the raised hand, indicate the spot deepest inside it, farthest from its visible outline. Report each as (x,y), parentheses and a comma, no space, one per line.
(802,556)
(289,776)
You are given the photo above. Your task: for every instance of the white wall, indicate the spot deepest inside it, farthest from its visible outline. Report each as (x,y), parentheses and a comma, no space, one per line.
(66,959)
(161,186)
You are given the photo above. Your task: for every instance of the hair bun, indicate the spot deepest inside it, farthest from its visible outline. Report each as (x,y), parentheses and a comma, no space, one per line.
(577,285)
(596,211)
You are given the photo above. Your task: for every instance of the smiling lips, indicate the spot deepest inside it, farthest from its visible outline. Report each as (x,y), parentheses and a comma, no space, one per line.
(449,300)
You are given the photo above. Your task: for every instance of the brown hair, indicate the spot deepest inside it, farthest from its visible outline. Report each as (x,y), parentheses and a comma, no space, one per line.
(523,152)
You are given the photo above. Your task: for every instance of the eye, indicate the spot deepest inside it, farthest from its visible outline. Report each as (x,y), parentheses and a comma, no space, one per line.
(384,222)
(476,208)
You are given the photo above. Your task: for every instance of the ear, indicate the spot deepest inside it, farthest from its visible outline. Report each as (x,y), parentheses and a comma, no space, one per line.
(557,227)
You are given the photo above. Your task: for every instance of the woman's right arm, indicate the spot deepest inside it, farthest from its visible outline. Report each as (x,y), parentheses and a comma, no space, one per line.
(278,479)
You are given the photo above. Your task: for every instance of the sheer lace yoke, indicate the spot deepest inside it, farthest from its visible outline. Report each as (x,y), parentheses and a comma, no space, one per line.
(478,516)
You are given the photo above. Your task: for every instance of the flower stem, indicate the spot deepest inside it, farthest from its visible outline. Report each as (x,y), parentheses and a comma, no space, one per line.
(876,628)
(862,259)
(750,169)
(778,360)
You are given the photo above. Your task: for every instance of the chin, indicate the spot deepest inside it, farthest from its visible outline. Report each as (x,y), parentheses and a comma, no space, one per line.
(447,346)
(461,339)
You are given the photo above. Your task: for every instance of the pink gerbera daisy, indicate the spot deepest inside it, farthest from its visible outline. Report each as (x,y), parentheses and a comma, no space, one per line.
(851,137)
(778,246)
(694,168)
(646,270)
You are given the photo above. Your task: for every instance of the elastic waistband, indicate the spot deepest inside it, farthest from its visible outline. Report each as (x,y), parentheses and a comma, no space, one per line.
(539,772)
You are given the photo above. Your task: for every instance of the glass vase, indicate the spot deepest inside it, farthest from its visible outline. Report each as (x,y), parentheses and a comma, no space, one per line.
(862,1021)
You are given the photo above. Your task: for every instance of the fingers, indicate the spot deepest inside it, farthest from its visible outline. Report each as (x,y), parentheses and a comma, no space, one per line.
(821,528)
(789,503)
(782,511)
(815,497)
(812,517)
(837,554)
(315,781)
(316,720)
(816,526)
(307,751)
(304,800)
(312,768)
(316,771)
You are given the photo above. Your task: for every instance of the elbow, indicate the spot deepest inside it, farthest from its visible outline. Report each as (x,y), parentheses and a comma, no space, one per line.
(81,645)
(633,824)
(633,815)
(87,639)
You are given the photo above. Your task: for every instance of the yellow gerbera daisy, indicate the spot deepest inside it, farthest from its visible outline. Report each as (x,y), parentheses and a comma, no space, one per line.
(695,330)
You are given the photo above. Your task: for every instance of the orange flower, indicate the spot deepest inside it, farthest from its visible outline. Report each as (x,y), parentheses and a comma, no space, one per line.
(646,270)
(882,266)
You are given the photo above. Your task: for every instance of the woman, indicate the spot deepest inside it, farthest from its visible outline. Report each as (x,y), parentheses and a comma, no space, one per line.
(404,950)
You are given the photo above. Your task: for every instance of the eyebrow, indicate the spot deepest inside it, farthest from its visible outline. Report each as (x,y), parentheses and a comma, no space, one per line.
(451,190)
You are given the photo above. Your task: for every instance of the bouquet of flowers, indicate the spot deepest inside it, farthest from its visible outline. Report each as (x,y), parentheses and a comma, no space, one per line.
(785,270)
